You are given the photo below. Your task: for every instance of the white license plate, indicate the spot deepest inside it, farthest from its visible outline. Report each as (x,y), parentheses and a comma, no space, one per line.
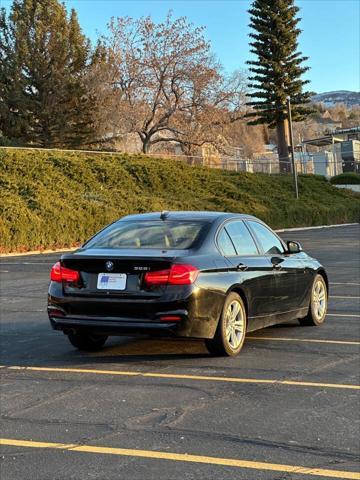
(111,281)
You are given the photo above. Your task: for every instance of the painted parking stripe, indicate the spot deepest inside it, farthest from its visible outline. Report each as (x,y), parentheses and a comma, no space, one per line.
(343,315)
(188,377)
(343,283)
(305,340)
(181,457)
(344,296)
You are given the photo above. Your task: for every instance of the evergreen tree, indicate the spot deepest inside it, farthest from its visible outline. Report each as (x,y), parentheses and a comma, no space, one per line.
(277,70)
(47,105)
(13,124)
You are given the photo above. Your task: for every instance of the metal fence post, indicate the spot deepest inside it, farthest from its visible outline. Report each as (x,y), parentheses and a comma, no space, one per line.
(296,189)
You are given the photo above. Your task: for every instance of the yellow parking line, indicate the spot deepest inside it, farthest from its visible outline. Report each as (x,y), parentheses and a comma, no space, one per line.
(181,457)
(189,377)
(305,340)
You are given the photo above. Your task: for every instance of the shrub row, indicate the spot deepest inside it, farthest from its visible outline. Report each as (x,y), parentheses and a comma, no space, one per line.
(55,200)
(348,178)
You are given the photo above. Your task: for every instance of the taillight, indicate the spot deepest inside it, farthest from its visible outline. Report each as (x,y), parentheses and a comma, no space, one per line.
(59,274)
(160,277)
(183,274)
(178,274)
(170,318)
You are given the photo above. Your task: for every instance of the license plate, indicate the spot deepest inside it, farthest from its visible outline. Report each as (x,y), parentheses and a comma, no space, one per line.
(111,281)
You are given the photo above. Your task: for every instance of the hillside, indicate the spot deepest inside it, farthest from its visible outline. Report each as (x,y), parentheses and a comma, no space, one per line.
(51,200)
(329,99)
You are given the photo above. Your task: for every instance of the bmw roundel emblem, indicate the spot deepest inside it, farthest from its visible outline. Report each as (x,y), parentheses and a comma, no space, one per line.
(109,266)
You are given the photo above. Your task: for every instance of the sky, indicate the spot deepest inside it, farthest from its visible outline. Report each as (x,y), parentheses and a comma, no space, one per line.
(330,37)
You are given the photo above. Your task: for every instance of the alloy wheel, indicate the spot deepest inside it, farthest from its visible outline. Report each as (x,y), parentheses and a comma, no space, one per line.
(235,324)
(319,299)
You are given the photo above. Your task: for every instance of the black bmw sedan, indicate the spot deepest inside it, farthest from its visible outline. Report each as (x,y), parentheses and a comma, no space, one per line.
(204,275)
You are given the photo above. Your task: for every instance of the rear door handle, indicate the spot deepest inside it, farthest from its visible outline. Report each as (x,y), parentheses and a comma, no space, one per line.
(242,267)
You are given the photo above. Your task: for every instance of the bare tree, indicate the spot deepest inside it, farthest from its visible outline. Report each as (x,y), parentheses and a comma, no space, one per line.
(217,102)
(164,83)
(113,116)
(250,139)
(152,66)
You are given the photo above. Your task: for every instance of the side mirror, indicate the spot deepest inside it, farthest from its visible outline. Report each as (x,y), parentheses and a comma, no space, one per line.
(293,247)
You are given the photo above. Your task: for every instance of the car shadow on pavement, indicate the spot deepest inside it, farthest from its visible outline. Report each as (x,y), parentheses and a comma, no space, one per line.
(143,349)
(117,350)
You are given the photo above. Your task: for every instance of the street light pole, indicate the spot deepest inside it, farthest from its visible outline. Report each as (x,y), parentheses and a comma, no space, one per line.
(296,189)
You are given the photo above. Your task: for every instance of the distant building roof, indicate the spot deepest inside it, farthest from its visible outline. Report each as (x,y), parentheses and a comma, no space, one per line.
(334,136)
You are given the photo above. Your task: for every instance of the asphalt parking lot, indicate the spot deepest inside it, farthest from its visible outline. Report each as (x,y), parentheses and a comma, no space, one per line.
(141,409)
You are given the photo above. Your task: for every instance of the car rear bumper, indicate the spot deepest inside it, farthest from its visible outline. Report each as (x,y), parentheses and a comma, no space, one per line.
(198,311)
(115,326)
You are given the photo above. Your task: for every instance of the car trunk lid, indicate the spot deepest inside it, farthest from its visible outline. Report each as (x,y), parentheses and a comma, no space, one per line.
(121,273)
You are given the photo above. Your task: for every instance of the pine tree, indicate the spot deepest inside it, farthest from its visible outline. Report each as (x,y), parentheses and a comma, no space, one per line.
(80,106)
(277,70)
(13,123)
(49,60)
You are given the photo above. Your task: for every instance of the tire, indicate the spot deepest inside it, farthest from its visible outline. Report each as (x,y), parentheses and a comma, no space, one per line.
(318,303)
(229,341)
(89,342)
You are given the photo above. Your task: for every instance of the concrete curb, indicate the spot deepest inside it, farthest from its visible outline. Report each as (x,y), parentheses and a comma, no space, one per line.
(44,252)
(35,252)
(316,227)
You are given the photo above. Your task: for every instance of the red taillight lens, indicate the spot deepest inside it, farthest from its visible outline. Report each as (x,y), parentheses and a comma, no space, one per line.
(178,274)
(170,318)
(160,277)
(55,274)
(183,274)
(59,274)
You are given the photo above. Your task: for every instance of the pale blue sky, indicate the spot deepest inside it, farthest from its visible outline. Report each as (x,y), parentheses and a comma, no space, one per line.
(330,37)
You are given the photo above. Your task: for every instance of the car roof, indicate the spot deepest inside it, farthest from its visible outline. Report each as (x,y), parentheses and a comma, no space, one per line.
(186,215)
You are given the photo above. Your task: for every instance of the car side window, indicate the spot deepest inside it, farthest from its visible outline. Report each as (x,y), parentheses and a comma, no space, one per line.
(241,237)
(225,244)
(269,242)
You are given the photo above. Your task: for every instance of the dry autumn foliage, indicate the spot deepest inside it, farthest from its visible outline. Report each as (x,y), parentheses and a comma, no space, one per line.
(162,81)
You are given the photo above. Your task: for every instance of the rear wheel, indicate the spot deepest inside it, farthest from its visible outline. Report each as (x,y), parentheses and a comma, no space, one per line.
(318,303)
(230,333)
(87,341)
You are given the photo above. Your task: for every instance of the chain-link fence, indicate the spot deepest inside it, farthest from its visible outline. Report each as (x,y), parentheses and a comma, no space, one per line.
(327,163)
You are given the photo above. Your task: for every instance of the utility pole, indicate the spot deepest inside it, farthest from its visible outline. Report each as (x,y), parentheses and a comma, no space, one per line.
(296,189)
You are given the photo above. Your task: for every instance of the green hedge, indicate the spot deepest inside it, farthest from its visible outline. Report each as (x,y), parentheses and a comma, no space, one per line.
(349,178)
(55,200)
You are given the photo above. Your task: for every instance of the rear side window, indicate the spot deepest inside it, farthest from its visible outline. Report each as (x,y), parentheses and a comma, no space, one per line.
(160,234)
(241,238)
(269,242)
(225,244)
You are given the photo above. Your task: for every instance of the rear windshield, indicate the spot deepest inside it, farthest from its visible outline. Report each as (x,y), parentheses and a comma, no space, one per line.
(148,234)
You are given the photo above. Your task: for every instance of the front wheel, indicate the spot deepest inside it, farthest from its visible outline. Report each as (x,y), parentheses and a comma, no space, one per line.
(230,333)
(318,303)
(87,341)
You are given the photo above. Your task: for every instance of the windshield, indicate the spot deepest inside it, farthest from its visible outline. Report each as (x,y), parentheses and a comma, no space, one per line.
(160,234)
